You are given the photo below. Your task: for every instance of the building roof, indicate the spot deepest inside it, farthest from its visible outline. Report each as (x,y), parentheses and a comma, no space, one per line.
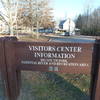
(61,23)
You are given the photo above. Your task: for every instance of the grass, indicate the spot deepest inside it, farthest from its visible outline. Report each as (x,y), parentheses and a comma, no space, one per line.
(52,86)
(81,81)
(33,38)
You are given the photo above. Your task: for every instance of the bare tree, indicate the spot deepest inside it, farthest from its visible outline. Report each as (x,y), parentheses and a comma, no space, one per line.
(26,13)
(36,14)
(9,13)
(92,25)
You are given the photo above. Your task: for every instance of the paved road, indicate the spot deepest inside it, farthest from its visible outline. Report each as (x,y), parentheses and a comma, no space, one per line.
(72,39)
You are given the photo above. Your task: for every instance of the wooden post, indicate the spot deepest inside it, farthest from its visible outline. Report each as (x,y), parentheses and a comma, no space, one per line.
(3,68)
(11,68)
(95,83)
(97,78)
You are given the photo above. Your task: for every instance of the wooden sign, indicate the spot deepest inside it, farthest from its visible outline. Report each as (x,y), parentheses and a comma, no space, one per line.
(73,58)
(53,56)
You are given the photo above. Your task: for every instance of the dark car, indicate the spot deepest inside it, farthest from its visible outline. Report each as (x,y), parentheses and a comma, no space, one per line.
(67,34)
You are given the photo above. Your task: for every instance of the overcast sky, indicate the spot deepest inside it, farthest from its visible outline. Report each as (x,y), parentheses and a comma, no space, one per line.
(72,8)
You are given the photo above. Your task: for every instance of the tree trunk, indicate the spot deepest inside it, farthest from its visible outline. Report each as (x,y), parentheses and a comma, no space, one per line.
(11,30)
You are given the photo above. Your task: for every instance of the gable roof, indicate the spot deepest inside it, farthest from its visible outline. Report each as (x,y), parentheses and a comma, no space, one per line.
(61,23)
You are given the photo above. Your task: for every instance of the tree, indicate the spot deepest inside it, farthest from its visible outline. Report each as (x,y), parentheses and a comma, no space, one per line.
(79,22)
(90,23)
(35,14)
(9,13)
(27,13)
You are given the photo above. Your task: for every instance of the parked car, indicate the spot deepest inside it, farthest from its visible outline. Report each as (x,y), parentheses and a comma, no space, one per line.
(65,34)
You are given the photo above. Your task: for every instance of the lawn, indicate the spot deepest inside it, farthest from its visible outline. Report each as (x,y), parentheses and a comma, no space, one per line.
(53,86)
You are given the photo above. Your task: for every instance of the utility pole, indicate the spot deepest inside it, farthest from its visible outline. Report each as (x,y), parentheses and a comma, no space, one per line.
(69,26)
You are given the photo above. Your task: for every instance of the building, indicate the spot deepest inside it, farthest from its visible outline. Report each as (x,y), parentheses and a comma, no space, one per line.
(67,26)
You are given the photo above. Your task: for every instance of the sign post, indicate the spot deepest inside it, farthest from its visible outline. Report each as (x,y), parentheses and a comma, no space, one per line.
(8,68)
(95,82)
(3,67)
(13,74)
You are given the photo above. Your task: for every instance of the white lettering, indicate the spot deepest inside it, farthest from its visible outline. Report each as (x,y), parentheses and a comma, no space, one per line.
(54,48)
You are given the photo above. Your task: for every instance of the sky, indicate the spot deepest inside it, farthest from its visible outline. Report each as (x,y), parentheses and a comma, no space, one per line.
(71,8)
(64,9)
